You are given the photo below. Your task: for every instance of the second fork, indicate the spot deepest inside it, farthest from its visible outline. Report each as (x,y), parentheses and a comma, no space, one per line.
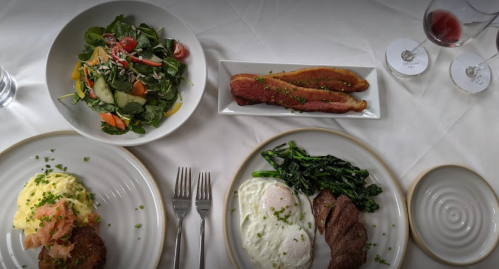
(203,205)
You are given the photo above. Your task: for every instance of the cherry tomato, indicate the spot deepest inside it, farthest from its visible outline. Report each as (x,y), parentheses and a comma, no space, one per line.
(178,51)
(128,43)
(110,40)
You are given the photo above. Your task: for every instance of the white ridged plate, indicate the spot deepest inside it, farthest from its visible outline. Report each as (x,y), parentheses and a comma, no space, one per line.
(388,227)
(119,181)
(454,215)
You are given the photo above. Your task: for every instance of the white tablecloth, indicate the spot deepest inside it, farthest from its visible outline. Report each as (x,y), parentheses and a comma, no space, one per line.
(425,121)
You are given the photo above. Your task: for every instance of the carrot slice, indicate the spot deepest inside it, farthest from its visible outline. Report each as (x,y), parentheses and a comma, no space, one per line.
(89,82)
(119,123)
(138,88)
(108,118)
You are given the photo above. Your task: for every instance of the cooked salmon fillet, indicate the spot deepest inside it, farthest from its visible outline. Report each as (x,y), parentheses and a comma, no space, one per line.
(252,89)
(328,78)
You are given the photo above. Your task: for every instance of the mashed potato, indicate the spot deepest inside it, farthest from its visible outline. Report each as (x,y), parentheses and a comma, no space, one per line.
(47,189)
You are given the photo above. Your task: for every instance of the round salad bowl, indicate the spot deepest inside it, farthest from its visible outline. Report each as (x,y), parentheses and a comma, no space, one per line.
(62,59)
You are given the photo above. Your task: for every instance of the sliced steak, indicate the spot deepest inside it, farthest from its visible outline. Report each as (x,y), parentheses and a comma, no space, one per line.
(344,216)
(255,89)
(348,261)
(89,252)
(323,204)
(352,242)
(329,78)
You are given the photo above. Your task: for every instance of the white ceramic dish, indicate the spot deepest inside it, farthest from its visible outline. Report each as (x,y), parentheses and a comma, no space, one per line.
(454,215)
(227,105)
(391,230)
(119,181)
(69,42)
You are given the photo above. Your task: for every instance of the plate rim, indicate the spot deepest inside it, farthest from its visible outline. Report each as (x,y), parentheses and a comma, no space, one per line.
(128,142)
(153,180)
(419,242)
(220,109)
(313,129)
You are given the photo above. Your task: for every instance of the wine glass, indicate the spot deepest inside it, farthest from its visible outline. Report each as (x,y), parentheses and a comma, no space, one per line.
(447,23)
(470,72)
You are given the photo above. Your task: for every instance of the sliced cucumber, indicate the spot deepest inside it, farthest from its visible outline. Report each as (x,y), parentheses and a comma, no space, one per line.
(102,91)
(122,99)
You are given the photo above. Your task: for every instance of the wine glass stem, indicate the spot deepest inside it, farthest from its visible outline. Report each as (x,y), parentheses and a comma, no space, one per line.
(472,71)
(408,56)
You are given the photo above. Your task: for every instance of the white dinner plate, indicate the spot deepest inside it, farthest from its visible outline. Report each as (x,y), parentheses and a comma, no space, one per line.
(227,105)
(454,215)
(119,181)
(388,227)
(69,42)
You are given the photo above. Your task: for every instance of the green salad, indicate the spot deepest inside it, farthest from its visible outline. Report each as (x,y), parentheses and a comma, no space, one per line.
(129,76)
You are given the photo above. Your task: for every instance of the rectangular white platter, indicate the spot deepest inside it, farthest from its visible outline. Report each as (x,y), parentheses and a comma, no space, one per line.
(227,105)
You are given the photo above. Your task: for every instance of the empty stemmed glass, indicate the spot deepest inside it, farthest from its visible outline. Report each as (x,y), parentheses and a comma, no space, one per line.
(470,72)
(447,23)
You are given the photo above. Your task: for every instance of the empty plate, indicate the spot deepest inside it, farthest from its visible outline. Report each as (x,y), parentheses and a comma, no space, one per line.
(453,214)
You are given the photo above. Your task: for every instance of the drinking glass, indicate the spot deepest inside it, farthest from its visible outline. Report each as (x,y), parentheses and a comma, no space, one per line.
(8,87)
(470,72)
(447,23)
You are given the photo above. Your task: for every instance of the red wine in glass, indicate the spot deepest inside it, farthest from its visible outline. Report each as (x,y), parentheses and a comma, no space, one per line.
(443,28)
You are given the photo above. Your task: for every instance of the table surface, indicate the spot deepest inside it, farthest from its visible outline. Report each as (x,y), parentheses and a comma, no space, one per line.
(425,121)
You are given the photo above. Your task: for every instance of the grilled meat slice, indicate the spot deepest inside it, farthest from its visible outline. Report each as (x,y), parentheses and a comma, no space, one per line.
(343,233)
(324,202)
(352,242)
(333,79)
(254,89)
(346,218)
(89,252)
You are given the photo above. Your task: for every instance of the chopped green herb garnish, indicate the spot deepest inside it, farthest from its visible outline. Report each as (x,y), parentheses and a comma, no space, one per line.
(138,225)
(141,207)
(85,159)
(37,157)
(259,235)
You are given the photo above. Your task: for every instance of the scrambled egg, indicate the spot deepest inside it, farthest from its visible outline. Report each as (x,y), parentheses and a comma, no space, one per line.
(46,189)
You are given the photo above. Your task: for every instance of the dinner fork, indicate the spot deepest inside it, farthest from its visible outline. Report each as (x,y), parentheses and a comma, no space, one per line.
(181,204)
(203,205)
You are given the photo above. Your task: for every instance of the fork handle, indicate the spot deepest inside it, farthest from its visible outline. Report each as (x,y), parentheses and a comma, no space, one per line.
(201,246)
(176,262)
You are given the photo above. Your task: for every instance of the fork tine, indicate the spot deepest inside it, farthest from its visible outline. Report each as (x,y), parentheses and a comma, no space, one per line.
(198,193)
(189,182)
(205,186)
(209,186)
(176,182)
